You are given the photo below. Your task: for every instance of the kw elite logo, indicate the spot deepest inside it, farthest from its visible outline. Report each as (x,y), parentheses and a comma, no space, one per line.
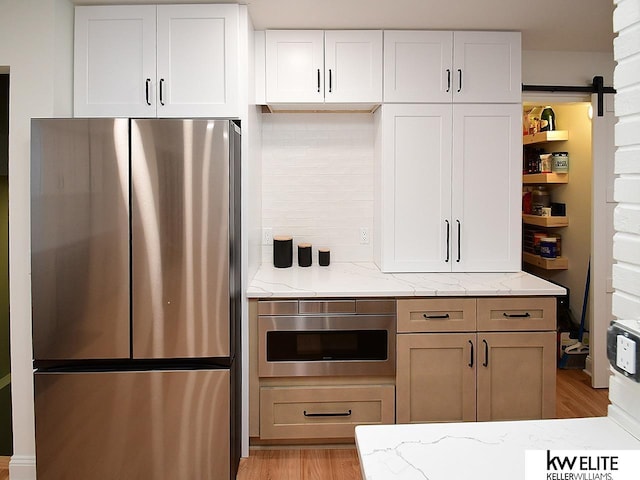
(582,465)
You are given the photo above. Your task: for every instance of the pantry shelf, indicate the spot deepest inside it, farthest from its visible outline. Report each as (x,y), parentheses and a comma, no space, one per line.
(559,263)
(545,221)
(541,137)
(541,178)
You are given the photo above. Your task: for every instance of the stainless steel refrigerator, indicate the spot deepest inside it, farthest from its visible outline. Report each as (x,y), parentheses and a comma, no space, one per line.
(135,239)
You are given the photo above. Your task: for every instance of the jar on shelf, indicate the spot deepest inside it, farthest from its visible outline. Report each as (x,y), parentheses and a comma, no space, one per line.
(540,198)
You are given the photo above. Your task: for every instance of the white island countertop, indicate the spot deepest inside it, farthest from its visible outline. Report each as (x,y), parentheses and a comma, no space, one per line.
(366,280)
(479,451)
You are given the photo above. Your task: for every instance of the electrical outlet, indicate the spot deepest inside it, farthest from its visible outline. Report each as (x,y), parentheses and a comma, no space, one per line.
(364,236)
(626,354)
(267,236)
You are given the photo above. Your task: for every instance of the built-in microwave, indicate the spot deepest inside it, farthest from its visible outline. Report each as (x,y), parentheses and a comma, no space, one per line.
(326,337)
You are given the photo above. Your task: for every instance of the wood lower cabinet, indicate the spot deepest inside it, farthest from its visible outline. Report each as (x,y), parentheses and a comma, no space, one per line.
(323,411)
(477,375)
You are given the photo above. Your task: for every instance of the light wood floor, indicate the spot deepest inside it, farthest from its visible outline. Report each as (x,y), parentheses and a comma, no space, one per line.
(574,398)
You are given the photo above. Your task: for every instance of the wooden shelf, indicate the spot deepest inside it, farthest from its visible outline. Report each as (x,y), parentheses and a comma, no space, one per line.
(559,263)
(541,137)
(545,221)
(537,178)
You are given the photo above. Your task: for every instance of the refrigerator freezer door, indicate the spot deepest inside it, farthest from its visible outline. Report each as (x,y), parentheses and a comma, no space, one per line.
(80,238)
(160,425)
(180,238)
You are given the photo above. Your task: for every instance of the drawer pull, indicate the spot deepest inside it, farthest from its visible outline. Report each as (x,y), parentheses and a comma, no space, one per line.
(430,317)
(338,414)
(516,315)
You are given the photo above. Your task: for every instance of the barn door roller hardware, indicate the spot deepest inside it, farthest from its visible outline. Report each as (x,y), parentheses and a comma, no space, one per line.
(596,87)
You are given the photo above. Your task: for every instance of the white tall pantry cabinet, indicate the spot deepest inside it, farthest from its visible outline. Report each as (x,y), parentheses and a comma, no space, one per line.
(148,61)
(450,159)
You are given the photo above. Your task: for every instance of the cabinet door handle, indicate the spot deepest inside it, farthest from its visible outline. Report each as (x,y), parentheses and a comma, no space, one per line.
(459,80)
(147,86)
(471,357)
(431,317)
(162,91)
(459,234)
(448,237)
(330,86)
(337,414)
(318,80)
(516,315)
(486,353)
(448,80)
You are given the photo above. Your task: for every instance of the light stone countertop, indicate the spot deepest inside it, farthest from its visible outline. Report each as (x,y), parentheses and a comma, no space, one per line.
(366,280)
(478,450)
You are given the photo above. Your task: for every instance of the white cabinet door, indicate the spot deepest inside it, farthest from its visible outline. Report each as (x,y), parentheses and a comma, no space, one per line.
(416,188)
(294,66)
(487,67)
(418,66)
(486,199)
(115,61)
(353,66)
(197,52)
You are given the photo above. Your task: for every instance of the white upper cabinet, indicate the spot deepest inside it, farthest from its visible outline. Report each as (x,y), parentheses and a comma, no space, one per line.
(450,197)
(314,66)
(463,67)
(148,61)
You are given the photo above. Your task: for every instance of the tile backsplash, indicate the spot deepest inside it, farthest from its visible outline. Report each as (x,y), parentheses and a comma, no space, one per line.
(317,182)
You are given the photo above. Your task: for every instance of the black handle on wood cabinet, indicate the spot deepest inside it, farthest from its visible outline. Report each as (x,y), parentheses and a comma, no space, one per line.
(147,84)
(430,317)
(459,80)
(339,414)
(162,91)
(448,80)
(516,315)
(486,353)
(471,357)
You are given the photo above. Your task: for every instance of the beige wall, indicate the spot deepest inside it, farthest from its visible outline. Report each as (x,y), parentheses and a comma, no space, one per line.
(36,46)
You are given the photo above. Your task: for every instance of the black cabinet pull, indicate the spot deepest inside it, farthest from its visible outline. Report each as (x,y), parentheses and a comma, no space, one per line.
(448,80)
(330,87)
(459,232)
(147,85)
(486,353)
(459,80)
(431,317)
(448,235)
(471,357)
(162,91)
(338,414)
(516,315)
(318,80)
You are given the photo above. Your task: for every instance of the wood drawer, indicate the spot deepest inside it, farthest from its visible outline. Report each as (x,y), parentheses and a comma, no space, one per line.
(516,314)
(323,412)
(436,315)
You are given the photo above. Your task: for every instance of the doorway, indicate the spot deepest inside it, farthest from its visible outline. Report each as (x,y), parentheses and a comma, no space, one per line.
(6,437)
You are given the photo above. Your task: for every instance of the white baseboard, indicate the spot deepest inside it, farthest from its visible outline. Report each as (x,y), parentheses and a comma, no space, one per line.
(22,467)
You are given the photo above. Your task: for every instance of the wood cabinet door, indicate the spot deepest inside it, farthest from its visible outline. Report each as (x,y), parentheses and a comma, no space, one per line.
(418,66)
(516,375)
(294,66)
(436,378)
(486,213)
(487,67)
(197,54)
(353,66)
(416,188)
(115,61)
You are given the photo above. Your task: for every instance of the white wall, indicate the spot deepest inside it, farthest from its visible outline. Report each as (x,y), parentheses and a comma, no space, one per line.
(36,45)
(566,68)
(626,244)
